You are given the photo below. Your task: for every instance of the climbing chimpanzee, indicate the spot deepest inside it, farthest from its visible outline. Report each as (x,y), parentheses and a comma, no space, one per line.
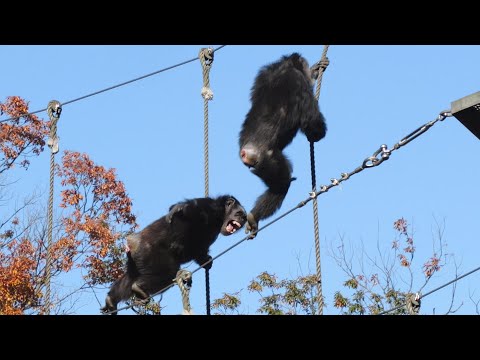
(155,254)
(282,102)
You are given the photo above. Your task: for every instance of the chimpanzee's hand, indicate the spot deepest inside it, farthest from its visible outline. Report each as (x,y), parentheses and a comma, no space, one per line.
(251,226)
(314,133)
(204,260)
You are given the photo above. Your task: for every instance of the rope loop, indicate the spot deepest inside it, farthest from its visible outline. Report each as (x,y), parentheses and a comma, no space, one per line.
(413,303)
(207,54)
(54,110)
(319,67)
(184,282)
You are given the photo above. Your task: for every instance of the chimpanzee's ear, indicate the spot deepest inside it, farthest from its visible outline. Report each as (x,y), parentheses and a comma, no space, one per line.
(229,202)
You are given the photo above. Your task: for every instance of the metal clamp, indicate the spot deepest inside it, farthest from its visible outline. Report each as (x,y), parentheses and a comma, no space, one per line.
(374,160)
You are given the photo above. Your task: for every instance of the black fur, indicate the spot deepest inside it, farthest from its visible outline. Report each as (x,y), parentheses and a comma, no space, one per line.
(282,102)
(184,234)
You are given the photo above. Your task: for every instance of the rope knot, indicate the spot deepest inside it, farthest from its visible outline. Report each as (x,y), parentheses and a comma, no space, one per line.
(206,59)
(54,110)
(184,282)
(207,93)
(319,67)
(413,303)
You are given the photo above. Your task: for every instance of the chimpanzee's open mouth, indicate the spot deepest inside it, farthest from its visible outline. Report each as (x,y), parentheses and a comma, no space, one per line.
(232,226)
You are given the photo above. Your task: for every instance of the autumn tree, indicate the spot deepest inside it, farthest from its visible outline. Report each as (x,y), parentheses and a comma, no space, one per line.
(89,233)
(100,215)
(383,281)
(378,284)
(21,137)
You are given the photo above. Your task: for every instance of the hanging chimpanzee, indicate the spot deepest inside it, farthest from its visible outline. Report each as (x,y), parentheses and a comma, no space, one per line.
(282,102)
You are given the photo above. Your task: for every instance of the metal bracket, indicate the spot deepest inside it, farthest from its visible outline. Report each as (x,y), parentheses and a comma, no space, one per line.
(467,111)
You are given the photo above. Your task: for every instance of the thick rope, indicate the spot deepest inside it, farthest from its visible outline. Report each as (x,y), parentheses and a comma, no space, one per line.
(207,290)
(320,68)
(184,282)
(206,59)
(54,109)
(317,232)
(413,304)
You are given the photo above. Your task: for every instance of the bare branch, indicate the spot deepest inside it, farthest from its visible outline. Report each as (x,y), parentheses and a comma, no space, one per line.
(475,302)
(454,288)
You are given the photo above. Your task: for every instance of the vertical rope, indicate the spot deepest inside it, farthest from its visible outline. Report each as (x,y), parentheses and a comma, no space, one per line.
(321,66)
(323,63)
(54,109)
(206,59)
(316,231)
(207,290)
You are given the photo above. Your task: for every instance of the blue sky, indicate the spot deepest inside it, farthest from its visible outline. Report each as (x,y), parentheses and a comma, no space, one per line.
(151,132)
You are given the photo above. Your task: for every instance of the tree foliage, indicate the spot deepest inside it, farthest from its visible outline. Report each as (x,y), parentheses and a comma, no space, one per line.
(276,297)
(21,137)
(378,284)
(88,235)
(99,207)
(384,282)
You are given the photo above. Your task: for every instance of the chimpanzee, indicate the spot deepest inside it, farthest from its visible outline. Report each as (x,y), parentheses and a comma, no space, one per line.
(282,102)
(155,254)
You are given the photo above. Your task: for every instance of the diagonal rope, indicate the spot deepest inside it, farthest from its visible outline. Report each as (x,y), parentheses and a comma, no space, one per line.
(432,291)
(54,110)
(115,86)
(206,60)
(320,70)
